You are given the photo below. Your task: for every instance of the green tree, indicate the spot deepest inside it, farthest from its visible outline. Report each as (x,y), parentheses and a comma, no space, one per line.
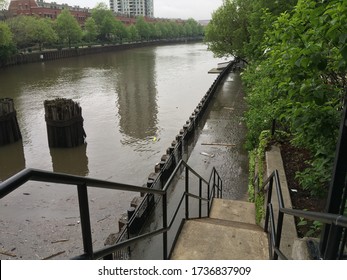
(67,28)
(121,32)
(6,42)
(90,30)
(105,22)
(133,34)
(174,29)
(227,32)
(43,32)
(3,4)
(32,31)
(142,28)
(196,28)
(162,29)
(23,28)
(152,31)
(237,28)
(261,16)
(303,83)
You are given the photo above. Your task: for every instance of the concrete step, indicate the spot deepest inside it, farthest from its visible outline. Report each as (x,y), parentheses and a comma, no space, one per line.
(230,224)
(215,239)
(233,210)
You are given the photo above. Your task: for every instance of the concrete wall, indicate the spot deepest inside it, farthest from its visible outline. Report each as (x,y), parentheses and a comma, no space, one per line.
(47,55)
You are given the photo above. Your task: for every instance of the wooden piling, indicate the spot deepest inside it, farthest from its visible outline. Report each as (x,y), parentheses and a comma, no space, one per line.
(64,123)
(9,128)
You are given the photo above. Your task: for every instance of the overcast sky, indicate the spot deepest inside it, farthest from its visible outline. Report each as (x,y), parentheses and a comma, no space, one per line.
(197,9)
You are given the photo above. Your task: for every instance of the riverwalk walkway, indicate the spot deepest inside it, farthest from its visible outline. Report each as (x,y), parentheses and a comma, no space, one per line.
(221,140)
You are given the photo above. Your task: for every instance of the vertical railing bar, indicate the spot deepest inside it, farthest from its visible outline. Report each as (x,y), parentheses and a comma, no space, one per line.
(343,244)
(279,233)
(221,187)
(200,195)
(214,183)
(85,220)
(164,206)
(208,198)
(268,201)
(187,191)
(273,233)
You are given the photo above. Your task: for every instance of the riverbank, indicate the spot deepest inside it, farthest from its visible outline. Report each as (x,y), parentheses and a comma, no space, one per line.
(47,55)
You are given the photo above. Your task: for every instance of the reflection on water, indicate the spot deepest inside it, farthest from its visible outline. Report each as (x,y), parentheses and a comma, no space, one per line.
(73,161)
(15,162)
(137,104)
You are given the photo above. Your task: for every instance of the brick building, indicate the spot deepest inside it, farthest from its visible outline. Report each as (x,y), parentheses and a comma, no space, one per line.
(52,10)
(44,9)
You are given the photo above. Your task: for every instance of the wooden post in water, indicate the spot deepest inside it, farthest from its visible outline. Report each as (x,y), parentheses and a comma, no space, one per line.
(9,128)
(64,123)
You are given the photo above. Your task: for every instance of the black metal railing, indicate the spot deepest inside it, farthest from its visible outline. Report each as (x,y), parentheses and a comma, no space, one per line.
(214,189)
(274,228)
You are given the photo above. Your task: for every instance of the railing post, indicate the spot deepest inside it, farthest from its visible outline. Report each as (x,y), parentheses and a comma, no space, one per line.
(200,195)
(187,191)
(268,200)
(214,183)
(331,235)
(164,205)
(85,220)
(278,233)
(208,199)
(221,187)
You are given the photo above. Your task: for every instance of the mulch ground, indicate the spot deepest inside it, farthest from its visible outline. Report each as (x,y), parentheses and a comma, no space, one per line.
(294,160)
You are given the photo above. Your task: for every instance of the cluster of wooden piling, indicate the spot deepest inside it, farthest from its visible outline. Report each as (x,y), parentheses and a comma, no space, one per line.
(64,123)
(63,118)
(9,128)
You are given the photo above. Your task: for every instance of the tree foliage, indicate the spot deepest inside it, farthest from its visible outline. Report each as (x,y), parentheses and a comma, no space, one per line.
(227,33)
(44,32)
(105,21)
(67,28)
(238,26)
(301,82)
(6,42)
(33,32)
(3,4)
(90,30)
(297,74)
(142,28)
(120,31)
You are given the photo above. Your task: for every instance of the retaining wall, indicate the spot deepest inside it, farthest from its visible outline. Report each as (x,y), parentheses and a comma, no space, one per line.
(48,55)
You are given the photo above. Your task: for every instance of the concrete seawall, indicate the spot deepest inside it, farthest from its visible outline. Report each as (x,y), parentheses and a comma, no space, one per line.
(48,55)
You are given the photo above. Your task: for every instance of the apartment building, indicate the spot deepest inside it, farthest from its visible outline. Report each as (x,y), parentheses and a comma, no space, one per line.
(133,7)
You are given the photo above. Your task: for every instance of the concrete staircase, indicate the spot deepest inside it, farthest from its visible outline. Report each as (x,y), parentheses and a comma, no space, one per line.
(230,233)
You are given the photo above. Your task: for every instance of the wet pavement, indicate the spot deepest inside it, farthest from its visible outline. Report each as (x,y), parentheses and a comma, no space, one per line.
(221,141)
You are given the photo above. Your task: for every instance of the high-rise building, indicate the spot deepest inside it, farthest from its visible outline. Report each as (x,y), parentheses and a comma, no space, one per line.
(133,7)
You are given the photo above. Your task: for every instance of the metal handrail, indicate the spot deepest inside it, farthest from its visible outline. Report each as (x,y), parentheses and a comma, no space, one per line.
(83,183)
(37,175)
(275,233)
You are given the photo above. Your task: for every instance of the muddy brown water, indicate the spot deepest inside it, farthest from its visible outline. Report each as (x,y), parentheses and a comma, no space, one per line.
(134,103)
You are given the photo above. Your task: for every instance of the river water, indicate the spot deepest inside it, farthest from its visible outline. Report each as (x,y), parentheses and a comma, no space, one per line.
(134,103)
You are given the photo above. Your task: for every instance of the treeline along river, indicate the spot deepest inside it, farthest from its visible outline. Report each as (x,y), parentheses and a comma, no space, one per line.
(134,103)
